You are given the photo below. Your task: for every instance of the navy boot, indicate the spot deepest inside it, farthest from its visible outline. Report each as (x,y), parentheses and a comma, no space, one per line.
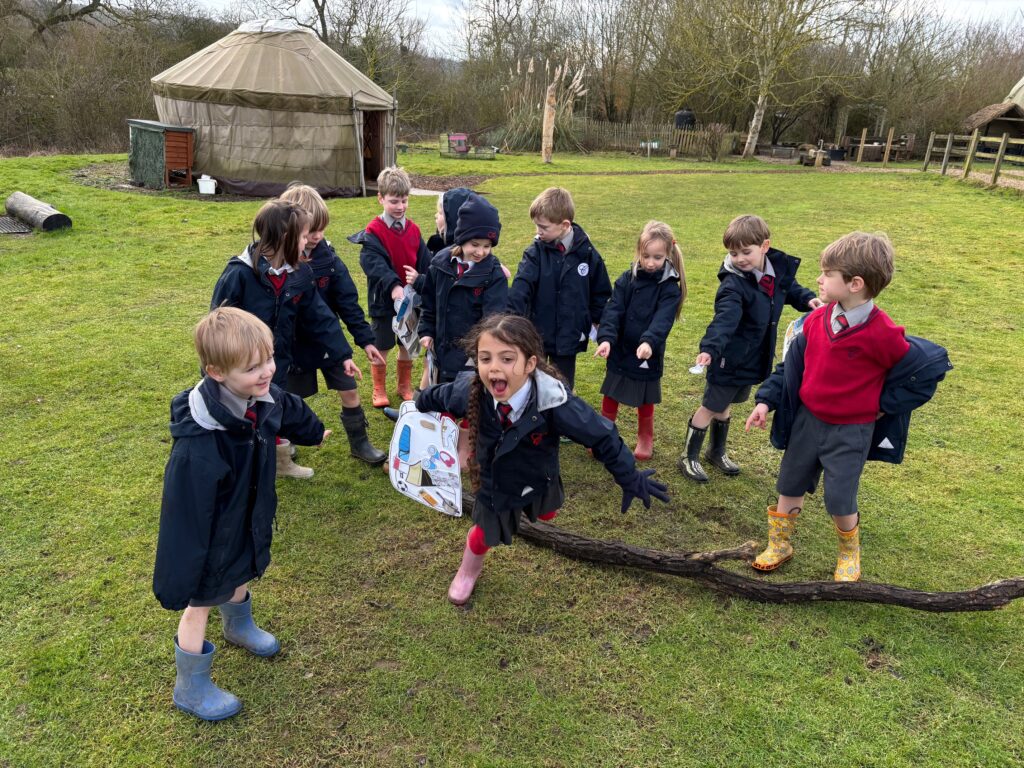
(240,629)
(194,692)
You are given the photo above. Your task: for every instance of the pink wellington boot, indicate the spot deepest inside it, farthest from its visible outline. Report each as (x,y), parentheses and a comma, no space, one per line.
(472,563)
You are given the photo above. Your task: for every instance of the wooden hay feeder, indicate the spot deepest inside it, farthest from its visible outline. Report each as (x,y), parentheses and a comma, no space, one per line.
(160,154)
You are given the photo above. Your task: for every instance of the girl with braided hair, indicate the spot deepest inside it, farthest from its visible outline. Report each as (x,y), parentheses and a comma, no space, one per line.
(518,407)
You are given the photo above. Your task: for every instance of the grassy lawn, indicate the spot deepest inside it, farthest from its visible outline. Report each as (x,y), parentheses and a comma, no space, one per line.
(432,164)
(555,663)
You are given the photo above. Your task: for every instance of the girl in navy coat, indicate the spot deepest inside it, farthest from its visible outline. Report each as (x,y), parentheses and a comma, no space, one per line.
(334,284)
(518,407)
(646,300)
(269,280)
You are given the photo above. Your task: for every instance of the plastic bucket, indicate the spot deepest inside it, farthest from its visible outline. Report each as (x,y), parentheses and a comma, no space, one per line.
(207,186)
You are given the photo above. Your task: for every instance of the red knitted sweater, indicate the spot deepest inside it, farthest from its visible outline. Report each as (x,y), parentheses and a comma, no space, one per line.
(402,248)
(844,372)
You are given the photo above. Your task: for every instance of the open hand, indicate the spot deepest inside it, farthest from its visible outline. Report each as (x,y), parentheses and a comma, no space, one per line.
(374,355)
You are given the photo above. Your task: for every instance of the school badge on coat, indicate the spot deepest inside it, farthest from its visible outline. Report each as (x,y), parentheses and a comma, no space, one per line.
(423,462)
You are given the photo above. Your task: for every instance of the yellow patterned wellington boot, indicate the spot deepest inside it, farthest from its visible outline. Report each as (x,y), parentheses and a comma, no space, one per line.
(848,564)
(780,528)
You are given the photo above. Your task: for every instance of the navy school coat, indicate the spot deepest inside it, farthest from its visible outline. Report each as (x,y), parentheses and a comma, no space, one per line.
(741,337)
(564,294)
(518,465)
(298,304)
(451,306)
(334,284)
(909,384)
(219,500)
(642,309)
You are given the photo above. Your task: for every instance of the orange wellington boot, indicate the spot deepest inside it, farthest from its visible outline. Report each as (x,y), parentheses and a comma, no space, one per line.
(405,379)
(380,388)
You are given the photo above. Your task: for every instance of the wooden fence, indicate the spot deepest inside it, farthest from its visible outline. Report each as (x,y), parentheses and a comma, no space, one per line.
(974,147)
(654,138)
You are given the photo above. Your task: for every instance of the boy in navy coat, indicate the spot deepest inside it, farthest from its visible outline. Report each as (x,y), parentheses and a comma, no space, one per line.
(562,283)
(755,282)
(219,502)
(834,391)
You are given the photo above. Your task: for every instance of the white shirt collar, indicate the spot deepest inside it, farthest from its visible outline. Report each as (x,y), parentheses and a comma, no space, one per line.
(854,316)
(519,400)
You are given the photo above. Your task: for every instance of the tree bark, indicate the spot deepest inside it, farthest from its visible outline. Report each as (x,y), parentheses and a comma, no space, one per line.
(701,567)
(755,125)
(547,144)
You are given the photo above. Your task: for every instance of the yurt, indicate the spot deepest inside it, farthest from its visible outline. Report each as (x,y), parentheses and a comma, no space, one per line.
(270,104)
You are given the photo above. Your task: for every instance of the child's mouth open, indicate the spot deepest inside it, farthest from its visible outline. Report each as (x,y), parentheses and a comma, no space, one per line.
(499,388)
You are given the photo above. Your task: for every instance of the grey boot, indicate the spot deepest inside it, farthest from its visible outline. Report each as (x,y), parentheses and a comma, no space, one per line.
(354,421)
(240,629)
(194,692)
(689,461)
(716,448)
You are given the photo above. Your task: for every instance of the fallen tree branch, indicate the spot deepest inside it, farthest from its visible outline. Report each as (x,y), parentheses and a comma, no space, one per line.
(700,566)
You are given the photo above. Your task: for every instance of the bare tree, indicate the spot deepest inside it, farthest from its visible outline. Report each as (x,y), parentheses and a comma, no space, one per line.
(754,44)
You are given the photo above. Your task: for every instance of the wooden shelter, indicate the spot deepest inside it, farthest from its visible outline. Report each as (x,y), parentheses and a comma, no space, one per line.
(997,119)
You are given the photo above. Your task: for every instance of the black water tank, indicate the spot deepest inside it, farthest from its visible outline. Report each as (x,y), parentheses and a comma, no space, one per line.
(685,119)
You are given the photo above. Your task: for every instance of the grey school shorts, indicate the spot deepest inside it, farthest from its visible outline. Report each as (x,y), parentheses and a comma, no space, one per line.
(305,384)
(838,450)
(383,334)
(718,397)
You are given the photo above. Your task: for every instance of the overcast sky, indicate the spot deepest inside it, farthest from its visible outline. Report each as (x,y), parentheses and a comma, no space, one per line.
(441,14)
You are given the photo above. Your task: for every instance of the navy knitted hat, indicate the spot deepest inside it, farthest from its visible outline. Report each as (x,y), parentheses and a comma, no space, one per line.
(450,204)
(478,219)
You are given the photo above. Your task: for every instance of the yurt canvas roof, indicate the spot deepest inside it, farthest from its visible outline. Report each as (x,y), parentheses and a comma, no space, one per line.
(1016,94)
(272,65)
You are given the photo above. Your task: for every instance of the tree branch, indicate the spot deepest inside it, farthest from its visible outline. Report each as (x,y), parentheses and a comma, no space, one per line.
(700,566)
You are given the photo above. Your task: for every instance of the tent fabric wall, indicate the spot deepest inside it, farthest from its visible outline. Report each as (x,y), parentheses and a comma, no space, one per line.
(232,141)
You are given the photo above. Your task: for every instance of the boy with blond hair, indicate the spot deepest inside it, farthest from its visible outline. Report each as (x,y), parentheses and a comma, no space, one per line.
(219,500)
(755,282)
(842,396)
(393,255)
(334,284)
(562,283)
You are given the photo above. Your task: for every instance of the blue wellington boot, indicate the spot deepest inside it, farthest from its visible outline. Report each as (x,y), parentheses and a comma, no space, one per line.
(194,692)
(240,629)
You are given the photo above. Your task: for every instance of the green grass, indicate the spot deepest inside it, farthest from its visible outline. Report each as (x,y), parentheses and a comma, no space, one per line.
(556,663)
(432,164)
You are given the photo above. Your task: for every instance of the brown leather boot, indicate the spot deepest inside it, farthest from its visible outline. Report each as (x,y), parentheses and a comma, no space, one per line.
(404,380)
(380,385)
